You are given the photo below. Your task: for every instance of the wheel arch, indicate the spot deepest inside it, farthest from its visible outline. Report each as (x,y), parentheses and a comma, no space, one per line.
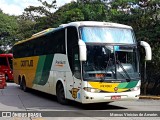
(60,81)
(61,92)
(24,79)
(19,79)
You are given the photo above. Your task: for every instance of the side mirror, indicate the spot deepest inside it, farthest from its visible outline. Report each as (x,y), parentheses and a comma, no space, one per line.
(82,50)
(147,50)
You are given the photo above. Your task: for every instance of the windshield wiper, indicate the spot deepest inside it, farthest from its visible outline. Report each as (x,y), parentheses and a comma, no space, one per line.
(129,79)
(110,64)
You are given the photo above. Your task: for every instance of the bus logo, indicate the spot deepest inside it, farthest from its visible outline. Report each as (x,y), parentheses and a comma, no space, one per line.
(60,63)
(26,63)
(116,89)
(74,91)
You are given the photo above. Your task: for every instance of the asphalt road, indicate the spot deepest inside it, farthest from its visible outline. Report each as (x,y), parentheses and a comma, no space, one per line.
(33,104)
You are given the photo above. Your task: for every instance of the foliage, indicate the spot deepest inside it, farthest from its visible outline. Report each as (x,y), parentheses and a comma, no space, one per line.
(26,28)
(41,14)
(8,28)
(34,19)
(144,17)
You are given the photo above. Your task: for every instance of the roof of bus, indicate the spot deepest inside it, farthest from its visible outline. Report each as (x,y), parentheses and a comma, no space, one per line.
(95,23)
(4,55)
(76,24)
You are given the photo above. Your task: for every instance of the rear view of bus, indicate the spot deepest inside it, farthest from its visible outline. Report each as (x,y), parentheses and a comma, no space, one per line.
(6,66)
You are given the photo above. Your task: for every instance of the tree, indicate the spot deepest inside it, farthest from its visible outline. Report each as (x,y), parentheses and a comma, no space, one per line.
(144,17)
(25,28)
(41,15)
(8,28)
(81,11)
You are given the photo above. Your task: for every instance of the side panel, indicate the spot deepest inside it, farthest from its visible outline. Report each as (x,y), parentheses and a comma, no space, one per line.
(43,72)
(36,71)
(25,67)
(60,70)
(43,69)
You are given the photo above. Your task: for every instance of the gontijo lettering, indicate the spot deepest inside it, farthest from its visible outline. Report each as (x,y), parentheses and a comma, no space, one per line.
(26,63)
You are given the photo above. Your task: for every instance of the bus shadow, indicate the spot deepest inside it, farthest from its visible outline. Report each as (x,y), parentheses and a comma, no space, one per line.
(94,106)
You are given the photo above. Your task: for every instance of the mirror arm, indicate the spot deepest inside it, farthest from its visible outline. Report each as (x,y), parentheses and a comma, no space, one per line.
(147,50)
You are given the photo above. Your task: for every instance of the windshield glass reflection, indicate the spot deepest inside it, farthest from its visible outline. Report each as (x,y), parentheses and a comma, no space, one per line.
(111,62)
(107,35)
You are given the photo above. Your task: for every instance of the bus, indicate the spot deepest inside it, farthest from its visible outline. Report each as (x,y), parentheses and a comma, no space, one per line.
(6,66)
(83,61)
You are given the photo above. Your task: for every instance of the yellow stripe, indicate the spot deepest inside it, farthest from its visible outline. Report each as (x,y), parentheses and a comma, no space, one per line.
(108,87)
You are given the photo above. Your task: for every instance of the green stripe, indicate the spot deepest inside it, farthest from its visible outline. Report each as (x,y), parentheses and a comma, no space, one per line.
(43,69)
(46,69)
(127,84)
(122,85)
(39,69)
(132,84)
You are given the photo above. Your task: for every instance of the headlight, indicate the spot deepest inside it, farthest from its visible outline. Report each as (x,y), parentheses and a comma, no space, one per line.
(137,87)
(93,90)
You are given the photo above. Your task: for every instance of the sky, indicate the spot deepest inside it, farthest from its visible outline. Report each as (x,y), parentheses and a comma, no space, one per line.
(16,7)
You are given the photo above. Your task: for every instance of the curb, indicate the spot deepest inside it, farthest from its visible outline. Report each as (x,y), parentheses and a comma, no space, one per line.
(150,97)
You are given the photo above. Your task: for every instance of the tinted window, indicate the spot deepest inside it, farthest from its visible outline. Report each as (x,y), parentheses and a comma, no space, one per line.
(73,51)
(3,61)
(51,43)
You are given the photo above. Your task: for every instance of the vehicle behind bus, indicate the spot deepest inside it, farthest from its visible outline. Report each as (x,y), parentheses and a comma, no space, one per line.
(6,66)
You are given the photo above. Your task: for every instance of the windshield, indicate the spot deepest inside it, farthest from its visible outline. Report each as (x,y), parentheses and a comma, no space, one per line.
(107,35)
(111,62)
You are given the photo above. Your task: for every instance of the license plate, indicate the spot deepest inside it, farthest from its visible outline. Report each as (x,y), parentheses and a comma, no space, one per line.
(115,97)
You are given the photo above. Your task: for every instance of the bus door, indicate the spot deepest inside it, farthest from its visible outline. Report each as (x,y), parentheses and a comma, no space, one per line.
(73,78)
(76,91)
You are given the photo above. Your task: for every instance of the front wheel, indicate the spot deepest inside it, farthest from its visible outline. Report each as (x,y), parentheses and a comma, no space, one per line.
(60,94)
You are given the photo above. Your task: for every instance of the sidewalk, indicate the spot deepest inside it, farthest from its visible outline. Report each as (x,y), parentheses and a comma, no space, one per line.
(149,97)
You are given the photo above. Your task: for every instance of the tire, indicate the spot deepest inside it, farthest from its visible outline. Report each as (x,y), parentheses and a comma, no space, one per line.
(6,78)
(60,94)
(21,85)
(24,87)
